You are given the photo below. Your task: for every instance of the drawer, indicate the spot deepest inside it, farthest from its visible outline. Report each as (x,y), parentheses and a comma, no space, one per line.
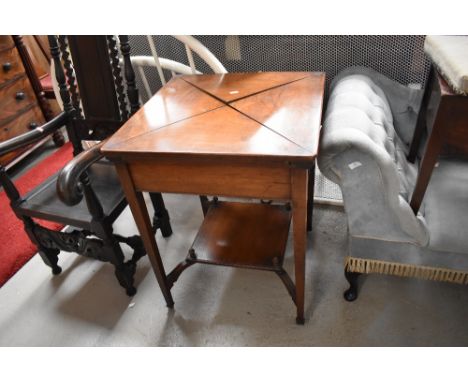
(14,97)
(10,65)
(6,42)
(21,124)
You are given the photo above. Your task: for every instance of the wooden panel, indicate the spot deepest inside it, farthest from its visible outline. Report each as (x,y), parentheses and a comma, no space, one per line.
(259,242)
(18,126)
(176,101)
(293,110)
(39,61)
(21,124)
(457,123)
(11,103)
(211,178)
(233,86)
(6,42)
(43,42)
(222,131)
(193,130)
(94,76)
(11,66)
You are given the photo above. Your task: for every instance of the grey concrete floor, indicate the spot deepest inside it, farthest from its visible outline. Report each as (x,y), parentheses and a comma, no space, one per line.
(218,306)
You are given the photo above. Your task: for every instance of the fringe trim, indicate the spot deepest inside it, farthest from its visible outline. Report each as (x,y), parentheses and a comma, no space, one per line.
(354,264)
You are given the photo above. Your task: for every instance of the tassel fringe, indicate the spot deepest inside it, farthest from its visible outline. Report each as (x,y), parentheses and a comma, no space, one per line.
(354,264)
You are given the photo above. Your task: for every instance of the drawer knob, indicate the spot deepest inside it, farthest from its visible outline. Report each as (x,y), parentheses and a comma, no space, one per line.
(6,66)
(20,96)
(33,125)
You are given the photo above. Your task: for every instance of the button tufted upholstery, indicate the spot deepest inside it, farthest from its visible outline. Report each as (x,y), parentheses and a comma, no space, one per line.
(363,153)
(369,122)
(358,103)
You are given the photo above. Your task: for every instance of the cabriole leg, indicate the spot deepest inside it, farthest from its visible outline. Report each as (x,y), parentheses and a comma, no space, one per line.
(351,293)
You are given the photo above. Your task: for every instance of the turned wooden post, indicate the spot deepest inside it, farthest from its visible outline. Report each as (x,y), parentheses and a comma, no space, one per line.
(70,74)
(119,86)
(64,94)
(37,87)
(132,90)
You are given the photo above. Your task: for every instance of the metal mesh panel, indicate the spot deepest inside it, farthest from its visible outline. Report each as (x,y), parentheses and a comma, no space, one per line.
(398,57)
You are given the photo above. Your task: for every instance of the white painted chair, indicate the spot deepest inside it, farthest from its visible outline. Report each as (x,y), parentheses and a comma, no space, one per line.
(160,63)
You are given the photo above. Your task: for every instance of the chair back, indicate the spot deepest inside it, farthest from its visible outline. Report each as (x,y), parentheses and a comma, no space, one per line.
(95,81)
(167,68)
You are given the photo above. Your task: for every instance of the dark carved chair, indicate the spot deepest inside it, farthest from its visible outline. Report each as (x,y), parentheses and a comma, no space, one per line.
(86,193)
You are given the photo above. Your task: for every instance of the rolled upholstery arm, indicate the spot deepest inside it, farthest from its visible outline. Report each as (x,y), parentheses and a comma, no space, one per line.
(362,152)
(34,135)
(69,189)
(369,183)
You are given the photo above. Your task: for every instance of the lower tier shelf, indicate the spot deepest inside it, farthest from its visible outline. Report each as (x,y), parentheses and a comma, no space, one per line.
(248,235)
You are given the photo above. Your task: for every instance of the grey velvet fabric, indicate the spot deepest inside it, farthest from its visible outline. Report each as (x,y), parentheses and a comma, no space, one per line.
(363,151)
(406,253)
(446,206)
(403,101)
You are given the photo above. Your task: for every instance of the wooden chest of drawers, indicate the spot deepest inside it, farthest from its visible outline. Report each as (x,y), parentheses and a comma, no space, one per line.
(19,108)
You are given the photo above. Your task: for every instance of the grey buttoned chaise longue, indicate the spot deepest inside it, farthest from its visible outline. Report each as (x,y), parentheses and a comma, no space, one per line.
(366,135)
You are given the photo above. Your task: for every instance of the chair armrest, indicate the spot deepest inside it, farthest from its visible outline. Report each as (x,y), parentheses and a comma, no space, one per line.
(34,135)
(69,188)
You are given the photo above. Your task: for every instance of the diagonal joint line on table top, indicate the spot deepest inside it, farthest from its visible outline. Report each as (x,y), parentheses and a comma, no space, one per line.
(269,128)
(232,107)
(250,95)
(246,96)
(169,124)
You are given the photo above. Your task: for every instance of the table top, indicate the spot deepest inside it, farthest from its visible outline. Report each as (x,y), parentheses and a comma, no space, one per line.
(257,115)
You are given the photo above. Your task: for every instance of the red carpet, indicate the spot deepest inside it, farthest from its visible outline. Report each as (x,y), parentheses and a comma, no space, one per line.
(15,247)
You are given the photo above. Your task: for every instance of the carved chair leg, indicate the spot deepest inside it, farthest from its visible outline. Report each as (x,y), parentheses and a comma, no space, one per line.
(49,254)
(50,258)
(351,293)
(161,218)
(124,271)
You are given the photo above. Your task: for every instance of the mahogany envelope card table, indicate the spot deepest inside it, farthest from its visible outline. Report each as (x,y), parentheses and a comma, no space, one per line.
(242,135)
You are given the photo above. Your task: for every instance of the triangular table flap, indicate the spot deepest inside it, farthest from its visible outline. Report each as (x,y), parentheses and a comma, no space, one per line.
(176,101)
(222,131)
(293,110)
(230,87)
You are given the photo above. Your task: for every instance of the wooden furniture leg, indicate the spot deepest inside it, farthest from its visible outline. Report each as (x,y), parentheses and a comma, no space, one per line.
(429,159)
(161,216)
(421,121)
(142,220)
(299,185)
(310,198)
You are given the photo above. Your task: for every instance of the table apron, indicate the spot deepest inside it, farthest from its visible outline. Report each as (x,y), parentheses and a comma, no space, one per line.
(221,179)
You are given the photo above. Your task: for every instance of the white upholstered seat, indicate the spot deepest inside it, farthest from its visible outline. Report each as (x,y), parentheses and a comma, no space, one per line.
(450,55)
